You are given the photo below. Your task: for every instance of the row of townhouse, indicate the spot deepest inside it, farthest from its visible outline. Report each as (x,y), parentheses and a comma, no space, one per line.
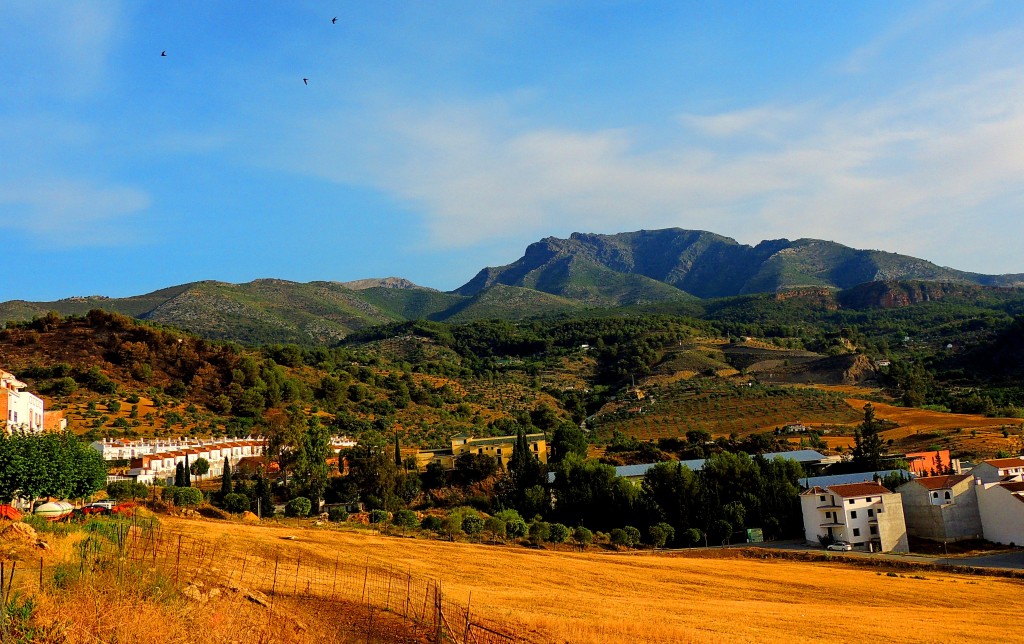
(150,468)
(986,503)
(155,460)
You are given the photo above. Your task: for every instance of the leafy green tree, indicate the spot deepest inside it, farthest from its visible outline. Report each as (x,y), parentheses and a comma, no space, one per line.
(619,538)
(558,533)
(539,532)
(633,536)
(300,506)
(431,523)
(525,472)
(405,519)
(495,526)
(589,493)
(311,467)
(515,526)
(201,467)
(582,537)
(472,525)
(568,439)
(660,534)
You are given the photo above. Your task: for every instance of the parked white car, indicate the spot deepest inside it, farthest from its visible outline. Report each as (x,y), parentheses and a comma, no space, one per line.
(839,545)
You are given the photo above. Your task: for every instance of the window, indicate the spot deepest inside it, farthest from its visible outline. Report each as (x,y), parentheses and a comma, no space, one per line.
(935,495)
(821,498)
(856,532)
(871,513)
(874,530)
(948,495)
(851,501)
(853,515)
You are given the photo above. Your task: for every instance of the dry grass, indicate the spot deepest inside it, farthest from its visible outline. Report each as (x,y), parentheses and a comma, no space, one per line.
(603,597)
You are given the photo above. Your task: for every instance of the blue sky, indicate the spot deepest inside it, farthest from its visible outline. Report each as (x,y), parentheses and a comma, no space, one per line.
(435,138)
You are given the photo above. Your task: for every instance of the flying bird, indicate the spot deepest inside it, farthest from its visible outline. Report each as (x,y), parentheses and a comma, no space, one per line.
(334,20)
(163,53)
(305,81)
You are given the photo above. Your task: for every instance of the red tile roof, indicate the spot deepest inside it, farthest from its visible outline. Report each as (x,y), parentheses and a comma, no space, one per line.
(1002,463)
(858,489)
(941,482)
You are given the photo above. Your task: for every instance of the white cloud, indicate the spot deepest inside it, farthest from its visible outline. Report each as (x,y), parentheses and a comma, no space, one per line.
(71,212)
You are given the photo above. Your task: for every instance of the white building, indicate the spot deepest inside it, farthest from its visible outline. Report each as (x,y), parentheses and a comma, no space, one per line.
(20,409)
(1002,511)
(1000,469)
(867,515)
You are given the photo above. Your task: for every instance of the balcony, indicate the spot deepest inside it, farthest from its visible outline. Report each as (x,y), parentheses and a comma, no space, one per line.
(832,524)
(830,507)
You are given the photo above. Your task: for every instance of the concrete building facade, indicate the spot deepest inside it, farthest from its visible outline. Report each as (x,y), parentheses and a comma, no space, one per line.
(1001,506)
(942,508)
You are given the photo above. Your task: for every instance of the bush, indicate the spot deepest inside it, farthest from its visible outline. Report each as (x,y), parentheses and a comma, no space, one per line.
(187,496)
(431,523)
(405,519)
(337,514)
(558,533)
(126,490)
(167,493)
(236,503)
(379,516)
(693,537)
(300,506)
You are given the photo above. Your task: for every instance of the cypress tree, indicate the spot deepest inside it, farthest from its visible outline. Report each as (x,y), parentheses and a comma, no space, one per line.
(398,451)
(187,473)
(225,480)
(179,475)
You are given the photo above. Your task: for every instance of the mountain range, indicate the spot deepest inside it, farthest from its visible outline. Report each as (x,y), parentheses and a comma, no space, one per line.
(676,267)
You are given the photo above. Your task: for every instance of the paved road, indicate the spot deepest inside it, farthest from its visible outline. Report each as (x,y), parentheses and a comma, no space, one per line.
(1005,560)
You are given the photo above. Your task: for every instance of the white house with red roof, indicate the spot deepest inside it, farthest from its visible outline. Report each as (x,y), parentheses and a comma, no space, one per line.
(866,515)
(942,508)
(1001,506)
(1000,469)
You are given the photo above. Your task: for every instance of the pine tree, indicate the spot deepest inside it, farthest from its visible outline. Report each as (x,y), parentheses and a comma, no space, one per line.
(867,450)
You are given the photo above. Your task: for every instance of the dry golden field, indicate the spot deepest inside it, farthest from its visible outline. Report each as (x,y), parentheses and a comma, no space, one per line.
(622,597)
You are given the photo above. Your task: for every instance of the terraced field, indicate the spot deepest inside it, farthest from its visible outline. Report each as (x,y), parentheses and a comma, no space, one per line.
(722,408)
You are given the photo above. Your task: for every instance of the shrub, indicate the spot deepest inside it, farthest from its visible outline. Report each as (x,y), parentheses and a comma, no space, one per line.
(125,490)
(379,516)
(558,533)
(187,496)
(405,519)
(431,523)
(236,503)
(167,493)
(300,506)
(337,514)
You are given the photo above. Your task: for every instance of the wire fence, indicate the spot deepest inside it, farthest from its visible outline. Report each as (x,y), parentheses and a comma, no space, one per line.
(380,603)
